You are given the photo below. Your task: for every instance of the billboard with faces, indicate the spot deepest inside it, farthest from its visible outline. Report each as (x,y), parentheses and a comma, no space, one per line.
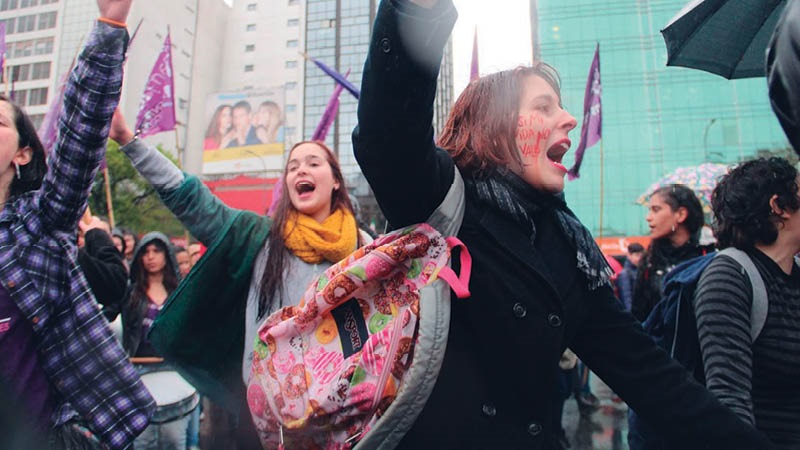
(244,132)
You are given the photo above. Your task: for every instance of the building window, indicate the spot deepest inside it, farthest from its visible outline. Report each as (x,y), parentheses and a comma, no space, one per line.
(291,108)
(251,6)
(291,85)
(47,2)
(250,48)
(251,27)
(6,5)
(291,43)
(294,2)
(248,68)
(20,49)
(43,46)
(37,97)
(37,119)
(10,23)
(291,64)
(21,73)
(19,97)
(293,23)
(40,70)
(182,103)
(47,20)
(28,3)
(26,23)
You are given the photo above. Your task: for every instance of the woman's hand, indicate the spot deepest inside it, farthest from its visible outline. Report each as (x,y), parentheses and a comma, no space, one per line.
(119,129)
(116,10)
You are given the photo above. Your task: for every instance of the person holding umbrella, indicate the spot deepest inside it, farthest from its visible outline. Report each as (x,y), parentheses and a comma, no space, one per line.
(540,283)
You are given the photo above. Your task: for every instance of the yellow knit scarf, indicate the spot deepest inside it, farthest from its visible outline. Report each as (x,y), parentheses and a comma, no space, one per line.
(314,242)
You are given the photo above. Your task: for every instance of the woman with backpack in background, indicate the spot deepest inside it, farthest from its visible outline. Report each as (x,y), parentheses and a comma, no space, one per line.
(253,266)
(757,210)
(675,217)
(539,282)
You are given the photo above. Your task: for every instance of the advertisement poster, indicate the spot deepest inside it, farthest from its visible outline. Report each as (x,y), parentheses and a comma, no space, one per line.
(244,132)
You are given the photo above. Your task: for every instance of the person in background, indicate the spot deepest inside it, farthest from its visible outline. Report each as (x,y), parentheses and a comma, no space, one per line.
(626,279)
(267,122)
(220,130)
(675,217)
(757,210)
(103,266)
(154,275)
(184,260)
(254,265)
(65,373)
(131,241)
(196,251)
(243,132)
(539,282)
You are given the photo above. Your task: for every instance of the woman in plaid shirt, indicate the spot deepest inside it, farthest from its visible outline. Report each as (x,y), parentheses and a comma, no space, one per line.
(59,360)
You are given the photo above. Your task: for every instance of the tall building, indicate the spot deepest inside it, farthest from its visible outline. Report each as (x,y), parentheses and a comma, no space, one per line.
(338,34)
(655,118)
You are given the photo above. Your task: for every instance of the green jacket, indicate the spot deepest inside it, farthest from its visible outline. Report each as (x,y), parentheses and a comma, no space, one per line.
(201,327)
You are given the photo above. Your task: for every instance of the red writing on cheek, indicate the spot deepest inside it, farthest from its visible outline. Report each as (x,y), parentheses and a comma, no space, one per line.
(531,135)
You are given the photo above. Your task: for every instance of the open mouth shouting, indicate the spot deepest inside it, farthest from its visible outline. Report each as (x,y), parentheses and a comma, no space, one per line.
(556,153)
(305,189)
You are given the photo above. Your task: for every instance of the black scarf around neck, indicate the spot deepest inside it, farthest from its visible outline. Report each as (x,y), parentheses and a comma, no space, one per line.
(510,194)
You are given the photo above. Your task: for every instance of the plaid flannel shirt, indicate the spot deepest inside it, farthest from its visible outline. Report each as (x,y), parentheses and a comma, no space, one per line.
(84,363)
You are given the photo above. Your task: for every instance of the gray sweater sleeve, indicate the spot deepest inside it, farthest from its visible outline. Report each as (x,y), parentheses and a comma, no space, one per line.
(153,166)
(722,307)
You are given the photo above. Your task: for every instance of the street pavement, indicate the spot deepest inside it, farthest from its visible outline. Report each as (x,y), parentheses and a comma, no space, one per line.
(604,429)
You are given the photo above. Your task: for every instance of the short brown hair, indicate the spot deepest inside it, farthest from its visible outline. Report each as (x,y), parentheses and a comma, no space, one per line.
(481,131)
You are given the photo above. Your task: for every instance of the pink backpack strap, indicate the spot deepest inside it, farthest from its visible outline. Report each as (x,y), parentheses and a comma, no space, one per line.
(459,283)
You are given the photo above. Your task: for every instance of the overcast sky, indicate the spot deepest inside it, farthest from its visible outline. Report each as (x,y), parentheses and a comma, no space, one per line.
(504,38)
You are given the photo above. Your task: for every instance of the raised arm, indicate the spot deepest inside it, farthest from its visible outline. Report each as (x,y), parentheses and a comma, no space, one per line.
(394,140)
(722,307)
(90,97)
(200,211)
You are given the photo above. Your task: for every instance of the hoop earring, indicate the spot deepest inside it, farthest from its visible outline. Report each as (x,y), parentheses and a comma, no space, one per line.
(19,175)
(673,227)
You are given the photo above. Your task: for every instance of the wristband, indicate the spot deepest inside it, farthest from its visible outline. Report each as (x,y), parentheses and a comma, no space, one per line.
(112,22)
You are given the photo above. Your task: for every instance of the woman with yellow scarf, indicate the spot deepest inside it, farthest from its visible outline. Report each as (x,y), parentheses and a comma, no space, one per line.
(254,264)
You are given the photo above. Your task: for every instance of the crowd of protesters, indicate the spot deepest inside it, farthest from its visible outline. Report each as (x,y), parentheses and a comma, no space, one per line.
(543,310)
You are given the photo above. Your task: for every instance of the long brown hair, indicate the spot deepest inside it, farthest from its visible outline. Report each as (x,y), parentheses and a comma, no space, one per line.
(141,282)
(480,133)
(272,279)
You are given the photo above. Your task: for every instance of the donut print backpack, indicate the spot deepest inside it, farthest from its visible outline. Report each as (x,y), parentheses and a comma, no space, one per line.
(325,372)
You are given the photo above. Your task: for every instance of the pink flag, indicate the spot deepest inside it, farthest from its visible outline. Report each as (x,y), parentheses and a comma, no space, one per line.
(474,74)
(157,111)
(2,47)
(329,116)
(591,130)
(48,130)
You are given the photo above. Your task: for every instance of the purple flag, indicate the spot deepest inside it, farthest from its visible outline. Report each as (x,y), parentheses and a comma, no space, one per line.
(157,110)
(339,78)
(329,115)
(2,47)
(48,130)
(591,130)
(474,74)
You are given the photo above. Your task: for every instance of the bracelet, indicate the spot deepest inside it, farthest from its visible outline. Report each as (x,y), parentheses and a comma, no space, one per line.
(112,22)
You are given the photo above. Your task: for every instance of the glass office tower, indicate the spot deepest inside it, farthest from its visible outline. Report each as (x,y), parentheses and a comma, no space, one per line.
(655,118)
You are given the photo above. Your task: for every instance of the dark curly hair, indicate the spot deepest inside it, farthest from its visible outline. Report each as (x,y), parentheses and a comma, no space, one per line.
(680,196)
(742,213)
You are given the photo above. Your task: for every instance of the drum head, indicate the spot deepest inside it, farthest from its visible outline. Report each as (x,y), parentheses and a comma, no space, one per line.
(174,396)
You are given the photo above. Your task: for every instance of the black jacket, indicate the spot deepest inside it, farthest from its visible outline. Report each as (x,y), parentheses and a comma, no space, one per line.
(102,264)
(529,302)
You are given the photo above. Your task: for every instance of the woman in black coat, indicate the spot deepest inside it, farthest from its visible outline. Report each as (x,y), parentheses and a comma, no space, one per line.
(539,283)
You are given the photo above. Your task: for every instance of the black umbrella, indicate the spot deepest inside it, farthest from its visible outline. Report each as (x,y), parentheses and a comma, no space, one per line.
(725,37)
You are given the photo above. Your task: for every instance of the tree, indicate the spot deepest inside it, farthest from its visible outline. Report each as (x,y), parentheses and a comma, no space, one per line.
(136,204)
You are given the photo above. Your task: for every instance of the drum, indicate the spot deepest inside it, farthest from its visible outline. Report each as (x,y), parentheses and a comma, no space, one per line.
(175,397)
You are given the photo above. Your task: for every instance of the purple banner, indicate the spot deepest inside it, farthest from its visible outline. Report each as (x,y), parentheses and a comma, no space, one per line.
(157,110)
(2,47)
(591,130)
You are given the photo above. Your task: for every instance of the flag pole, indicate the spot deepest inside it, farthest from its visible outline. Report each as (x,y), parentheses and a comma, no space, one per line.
(602,186)
(109,201)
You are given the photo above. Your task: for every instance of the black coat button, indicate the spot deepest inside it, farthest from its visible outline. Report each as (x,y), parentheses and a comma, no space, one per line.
(386,46)
(489,410)
(519,310)
(534,429)
(554,320)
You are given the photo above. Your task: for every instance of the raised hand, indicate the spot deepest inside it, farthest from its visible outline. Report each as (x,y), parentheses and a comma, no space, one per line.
(116,10)
(119,129)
